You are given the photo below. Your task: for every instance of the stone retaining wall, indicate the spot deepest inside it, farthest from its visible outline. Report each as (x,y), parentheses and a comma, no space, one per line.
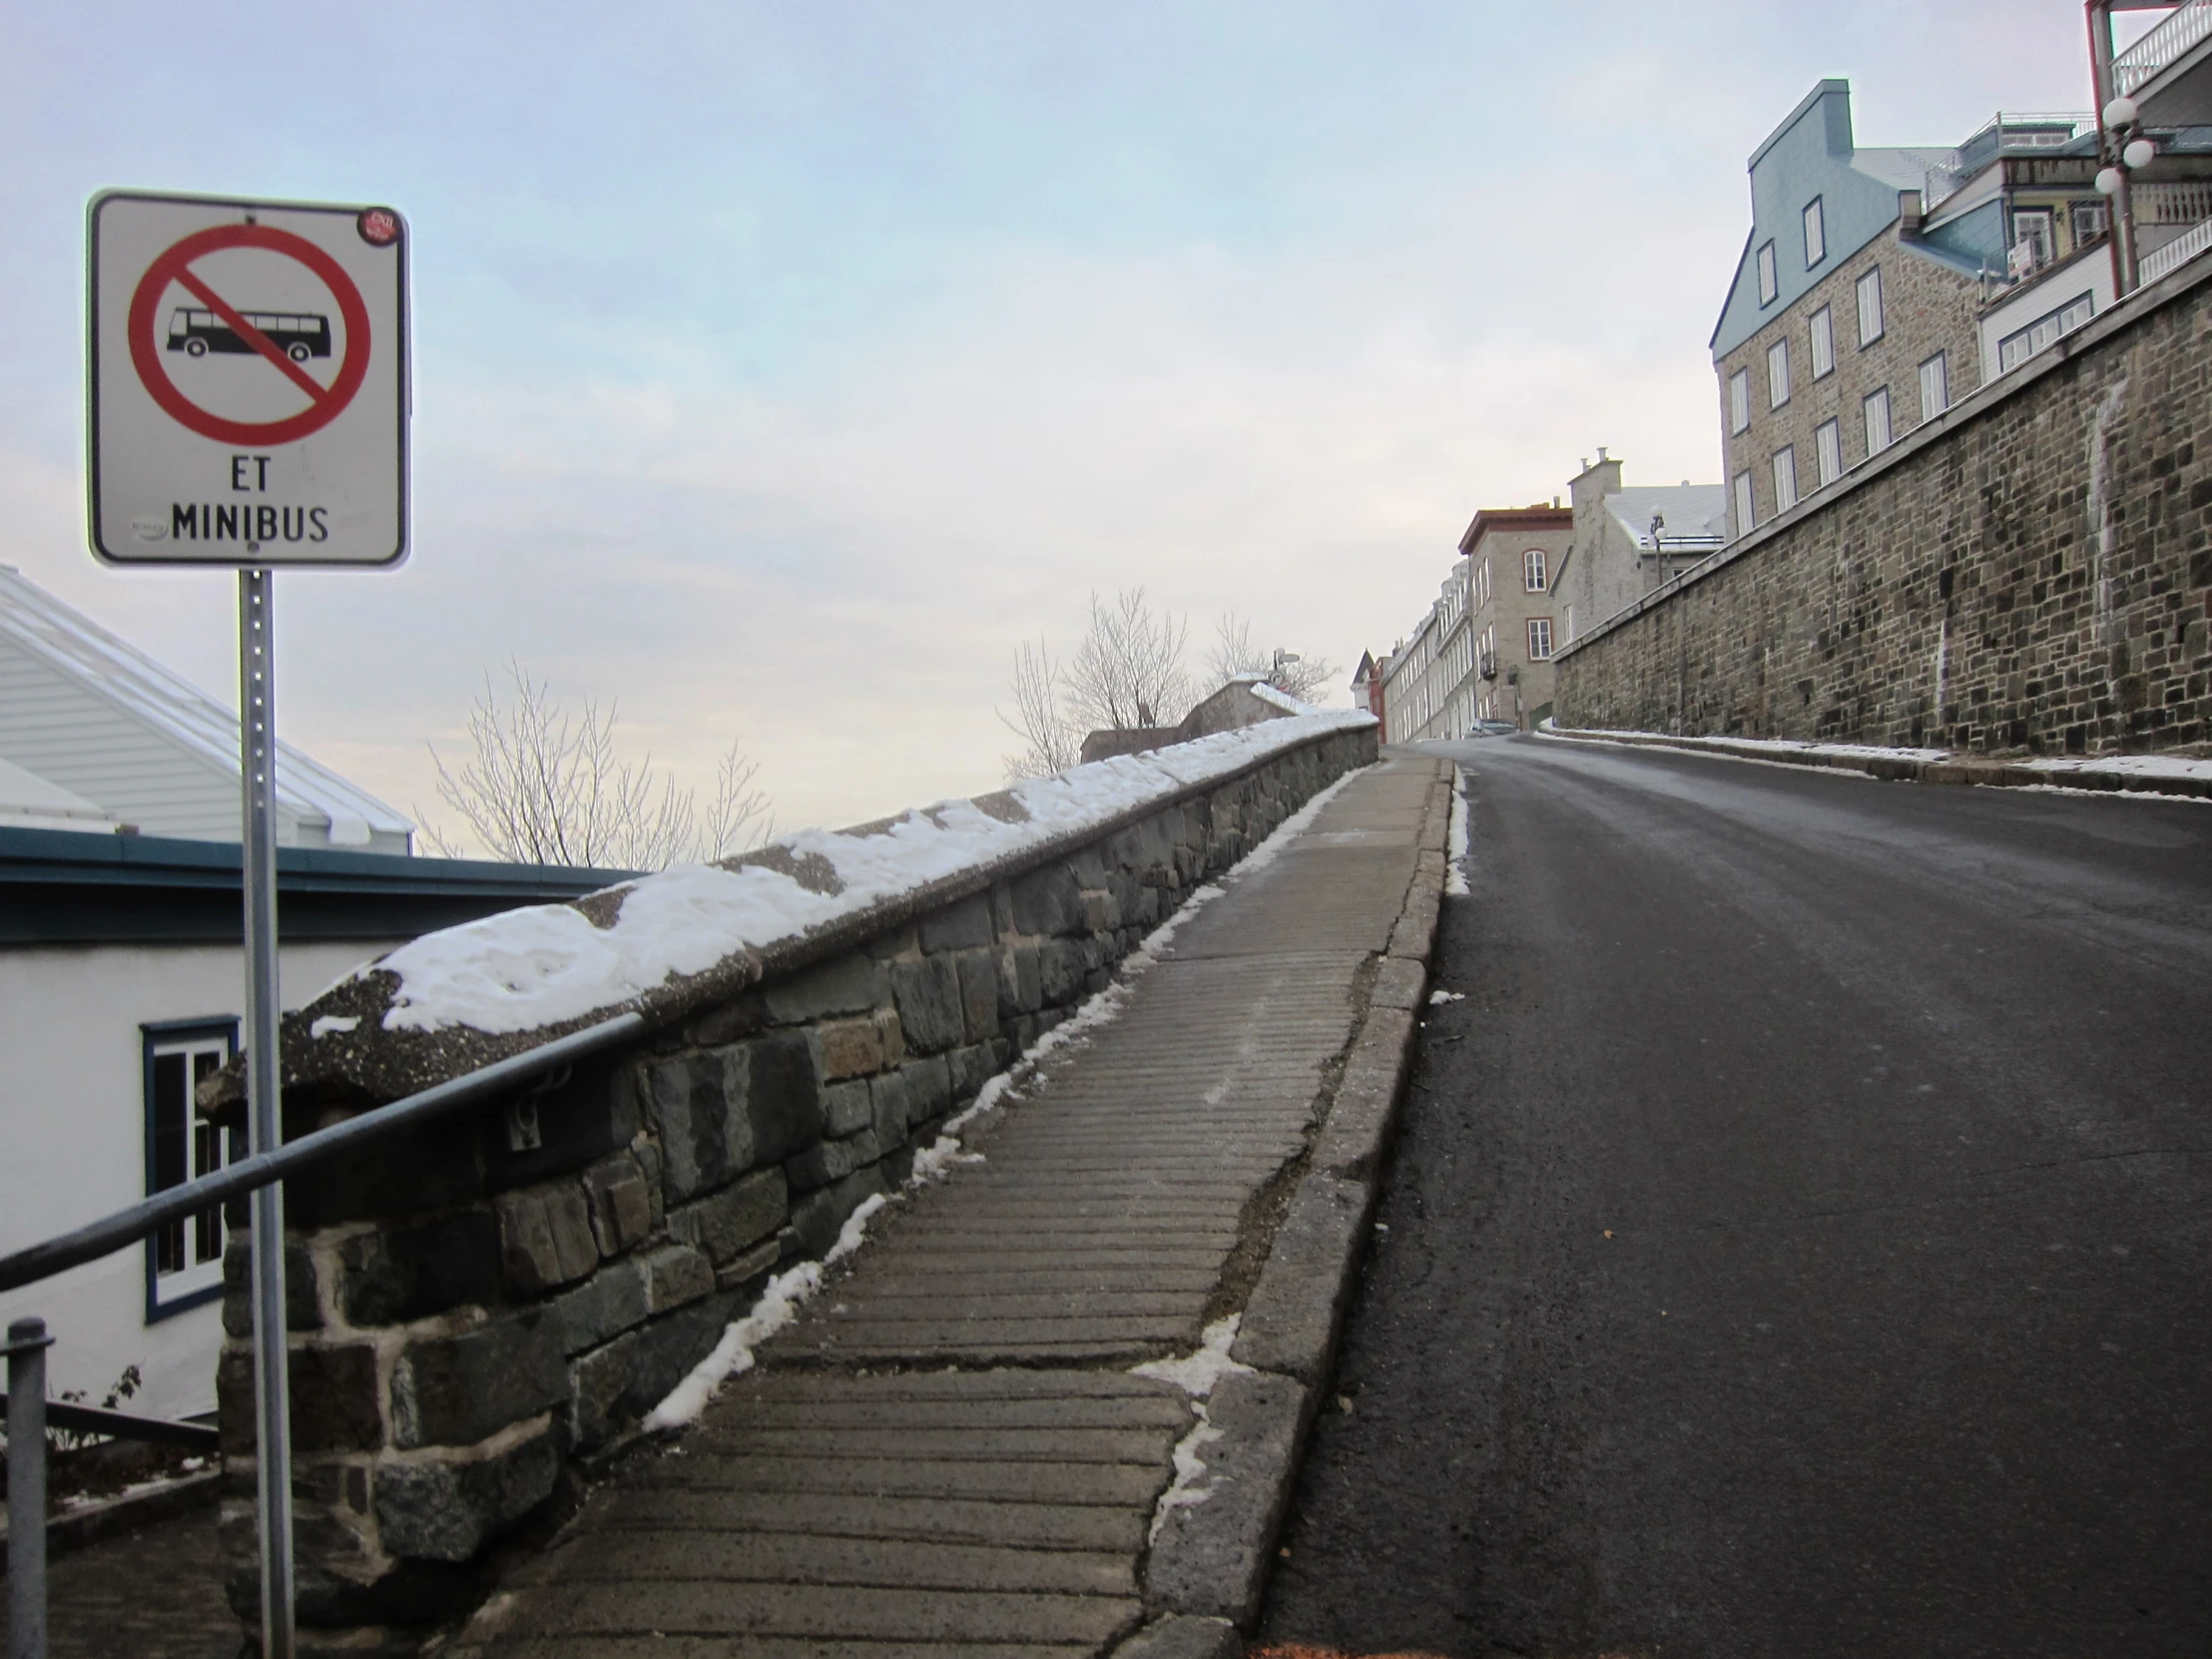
(2030,571)
(481,1308)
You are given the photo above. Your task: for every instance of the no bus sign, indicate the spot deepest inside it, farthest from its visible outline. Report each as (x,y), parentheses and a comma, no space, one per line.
(248,382)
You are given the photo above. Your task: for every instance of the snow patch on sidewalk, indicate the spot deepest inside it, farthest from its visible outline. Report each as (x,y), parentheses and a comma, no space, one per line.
(1455,853)
(1197,1374)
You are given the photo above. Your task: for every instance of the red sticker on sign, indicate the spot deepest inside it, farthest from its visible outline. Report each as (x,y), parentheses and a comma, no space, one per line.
(285,342)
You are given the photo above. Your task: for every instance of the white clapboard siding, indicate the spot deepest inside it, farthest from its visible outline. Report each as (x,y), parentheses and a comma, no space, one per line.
(82,709)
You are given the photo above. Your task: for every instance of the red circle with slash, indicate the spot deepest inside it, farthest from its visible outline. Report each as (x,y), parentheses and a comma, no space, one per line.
(325,403)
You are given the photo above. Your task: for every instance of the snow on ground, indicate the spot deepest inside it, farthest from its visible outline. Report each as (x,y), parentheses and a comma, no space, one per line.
(1437,998)
(2124,766)
(1456,854)
(542,964)
(733,1356)
(1776,746)
(1197,1375)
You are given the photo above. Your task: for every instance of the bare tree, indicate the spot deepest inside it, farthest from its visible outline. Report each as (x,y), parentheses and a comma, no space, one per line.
(1050,743)
(1128,672)
(1233,653)
(545,786)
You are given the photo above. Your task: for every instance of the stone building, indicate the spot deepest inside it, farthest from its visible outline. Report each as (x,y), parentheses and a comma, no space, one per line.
(1879,286)
(1513,555)
(1628,541)
(1426,679)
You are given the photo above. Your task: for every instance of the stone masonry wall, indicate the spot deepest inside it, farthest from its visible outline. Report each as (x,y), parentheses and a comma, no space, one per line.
(2030,571)
(484,1308)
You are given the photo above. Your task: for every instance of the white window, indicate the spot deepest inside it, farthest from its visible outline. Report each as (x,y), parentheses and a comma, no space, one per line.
(1767,287)
(1739,400)
(1744,520)
(1828,445)
(2034,234)
(1870,306)
(1876,408)
(1816,234)
(1532,570)
(1567,621)
(1934,388)
(1824,341)
(1777,375)
(183,1261)
(2089,222)
(2015,349)
(1539,639)
(1785,478)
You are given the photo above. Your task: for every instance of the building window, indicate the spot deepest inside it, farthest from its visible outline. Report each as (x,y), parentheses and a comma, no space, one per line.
(1743,519)
(183,1261)
(2089,222)
(1870,306)
(1828,445)
(1567,621)
(2015,348)
(1816,234)
(1532,570)
(1767,285)
(1934,388)
(1777,375)
(1785,478)
(1739,400)
(1539,639)
(1876,408)
(2035,240)
(1824,341)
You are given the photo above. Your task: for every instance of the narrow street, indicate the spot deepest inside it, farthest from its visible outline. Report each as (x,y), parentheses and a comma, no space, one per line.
(1798,1242)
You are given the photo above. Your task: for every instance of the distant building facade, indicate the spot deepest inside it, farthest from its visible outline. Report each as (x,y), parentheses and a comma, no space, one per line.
(1627,541)
(1512,556)
(1427,679)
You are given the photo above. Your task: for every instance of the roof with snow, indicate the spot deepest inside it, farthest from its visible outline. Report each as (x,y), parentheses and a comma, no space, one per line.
(1692,511)
(129,685)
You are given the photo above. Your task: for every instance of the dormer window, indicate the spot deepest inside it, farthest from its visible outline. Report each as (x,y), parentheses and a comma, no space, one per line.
(1816,234)
(1768,287)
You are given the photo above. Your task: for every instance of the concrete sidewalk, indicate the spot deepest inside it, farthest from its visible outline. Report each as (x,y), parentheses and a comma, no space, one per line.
(949,1451)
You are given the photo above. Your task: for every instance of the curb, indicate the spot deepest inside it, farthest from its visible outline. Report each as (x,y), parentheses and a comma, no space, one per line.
(1897,769)
(1207,1567)
(88,1524)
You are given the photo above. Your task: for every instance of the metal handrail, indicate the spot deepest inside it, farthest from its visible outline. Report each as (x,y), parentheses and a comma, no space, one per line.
(29,1411)
(127,1426)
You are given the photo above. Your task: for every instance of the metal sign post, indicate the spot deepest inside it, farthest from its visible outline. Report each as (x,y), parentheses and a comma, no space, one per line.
(248,404)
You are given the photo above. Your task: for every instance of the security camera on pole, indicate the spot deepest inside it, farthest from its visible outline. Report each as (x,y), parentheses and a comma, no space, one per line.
(247,399)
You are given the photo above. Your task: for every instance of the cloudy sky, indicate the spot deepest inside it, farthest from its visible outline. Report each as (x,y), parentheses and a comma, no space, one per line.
(781,367)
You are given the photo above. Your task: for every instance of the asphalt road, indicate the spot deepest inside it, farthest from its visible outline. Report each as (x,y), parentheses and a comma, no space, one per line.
(1799,1242)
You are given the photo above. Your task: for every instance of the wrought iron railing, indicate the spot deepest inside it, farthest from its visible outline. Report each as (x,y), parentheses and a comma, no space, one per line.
(2182,28)
(30,1413)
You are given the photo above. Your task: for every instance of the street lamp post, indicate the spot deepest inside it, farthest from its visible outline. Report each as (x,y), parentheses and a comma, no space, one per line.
(2122,147)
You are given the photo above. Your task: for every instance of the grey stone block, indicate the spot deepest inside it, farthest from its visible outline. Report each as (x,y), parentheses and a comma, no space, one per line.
(1060,971)
(828,1161)
(784,1095)
(410,1272)
(700,1102)
(1353,1141)
(848,984)
(978,974)
(817,1217)
(847,1108)
(676,1275)
(742,1269)
(1400,982)
(592,1113)
(1211,1559)
(615,1385)
(607,1304)
(447,1511)
(1020,987)
(728,1221)
(929,1008)
(1290,1325)
(545,1237)
(301,1306)
(958,927)
(334,1399)
(971,1068)
(848,1048)
(1180,1637)
(1046,901)
(457,1391)
(894,1105)
(621,1202)
(928,1086)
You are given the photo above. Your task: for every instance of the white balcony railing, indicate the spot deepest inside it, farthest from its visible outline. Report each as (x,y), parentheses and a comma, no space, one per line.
(2183,28)
(2009,132)
(2175,254)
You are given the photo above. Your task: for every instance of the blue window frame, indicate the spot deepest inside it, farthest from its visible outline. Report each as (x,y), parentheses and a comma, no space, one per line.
(183,1261)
